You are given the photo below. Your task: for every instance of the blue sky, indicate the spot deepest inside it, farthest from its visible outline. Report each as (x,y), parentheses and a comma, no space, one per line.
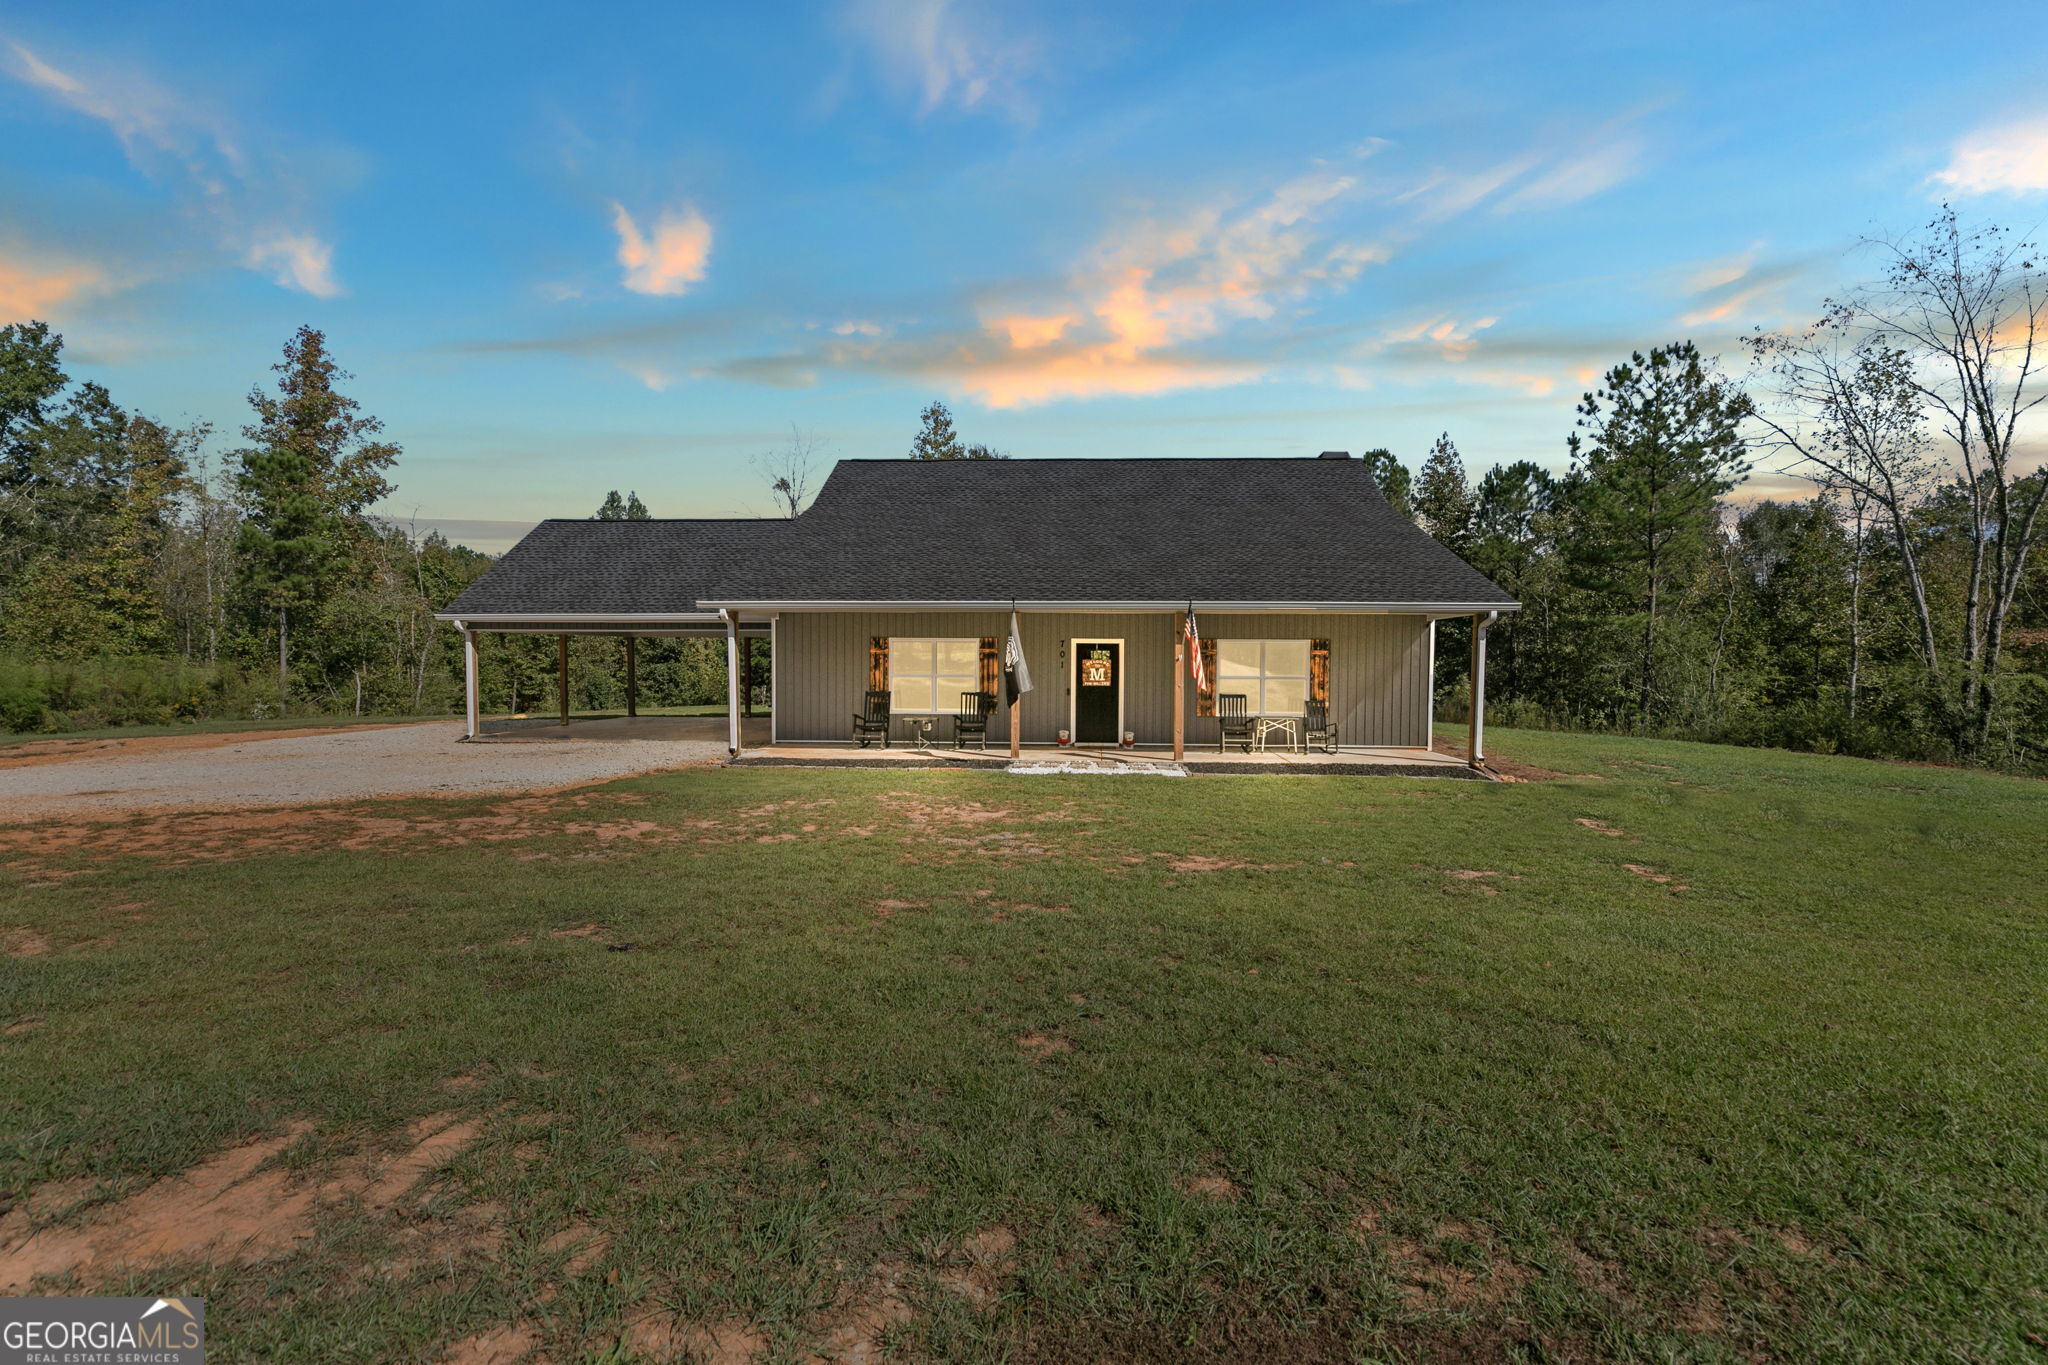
(633,248)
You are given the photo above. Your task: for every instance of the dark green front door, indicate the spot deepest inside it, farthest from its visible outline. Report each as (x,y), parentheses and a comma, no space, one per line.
(1098,691)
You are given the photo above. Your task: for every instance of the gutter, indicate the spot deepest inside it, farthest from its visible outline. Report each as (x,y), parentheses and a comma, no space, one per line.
(1176,604)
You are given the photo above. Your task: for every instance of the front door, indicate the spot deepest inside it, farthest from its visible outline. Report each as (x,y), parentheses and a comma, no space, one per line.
(1098,691)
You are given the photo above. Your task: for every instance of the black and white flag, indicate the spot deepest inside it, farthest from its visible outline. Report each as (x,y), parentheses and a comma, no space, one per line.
(1016,673)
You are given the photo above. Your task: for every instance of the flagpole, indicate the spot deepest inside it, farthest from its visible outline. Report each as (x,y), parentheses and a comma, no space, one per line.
(1180,685)
(1016,737)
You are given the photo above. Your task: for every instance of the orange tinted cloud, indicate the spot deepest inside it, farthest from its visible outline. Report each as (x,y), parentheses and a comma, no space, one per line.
(670,261)
(1163,286)
(28,291)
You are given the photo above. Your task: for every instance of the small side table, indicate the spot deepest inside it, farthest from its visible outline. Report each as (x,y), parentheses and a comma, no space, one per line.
(1265,727)
(920,728)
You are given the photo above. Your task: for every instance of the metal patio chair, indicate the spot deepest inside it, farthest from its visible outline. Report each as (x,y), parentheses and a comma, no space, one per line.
(1317,729)
(873,723)
(971,721)
(1234,721)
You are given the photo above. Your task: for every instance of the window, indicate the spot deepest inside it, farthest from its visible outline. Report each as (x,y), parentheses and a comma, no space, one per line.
(928,676)
(1271,674)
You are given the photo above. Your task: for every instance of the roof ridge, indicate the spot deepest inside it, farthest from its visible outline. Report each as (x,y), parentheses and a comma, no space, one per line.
(628,521)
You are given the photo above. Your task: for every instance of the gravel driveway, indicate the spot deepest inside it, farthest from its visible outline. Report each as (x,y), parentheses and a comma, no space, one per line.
(401,760)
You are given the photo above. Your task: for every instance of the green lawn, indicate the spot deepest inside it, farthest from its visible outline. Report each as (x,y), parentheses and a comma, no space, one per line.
(979,1067)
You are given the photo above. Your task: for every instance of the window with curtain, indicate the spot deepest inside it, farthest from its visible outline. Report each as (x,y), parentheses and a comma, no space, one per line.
(928,676)
(1272,675)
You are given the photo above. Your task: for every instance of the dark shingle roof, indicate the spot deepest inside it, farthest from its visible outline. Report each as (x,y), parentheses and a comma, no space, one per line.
(1111,530)
(618,567)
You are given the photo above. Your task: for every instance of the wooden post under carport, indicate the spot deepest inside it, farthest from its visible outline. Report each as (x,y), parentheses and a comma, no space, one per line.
(632,681)
(562,674)
(732,682)
(472,700)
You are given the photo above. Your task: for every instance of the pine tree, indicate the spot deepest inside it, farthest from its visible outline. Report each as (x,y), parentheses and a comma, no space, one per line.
(1664,446)
(615,508)
(1393,478)
(936,439)
(1443,499)
(307,483)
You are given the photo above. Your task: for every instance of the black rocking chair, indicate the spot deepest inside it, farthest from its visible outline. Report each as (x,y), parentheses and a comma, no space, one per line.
(971,720)
(1317,729)
(874,722)
(1234,719)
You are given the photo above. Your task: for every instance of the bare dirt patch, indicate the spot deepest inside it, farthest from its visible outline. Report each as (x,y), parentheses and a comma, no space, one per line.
(23,943)
(40,751)
(660,1335)
(855,1329)
(1039,1046)
(980,1265)
(886,908)
(1202,862)
(1600,827)
(1220,1188)
(498,1346)
(233,1207)
(1457,1268)
(1475,879)
(1651,874)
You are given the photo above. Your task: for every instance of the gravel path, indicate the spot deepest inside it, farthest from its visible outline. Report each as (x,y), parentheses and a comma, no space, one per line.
(403,760)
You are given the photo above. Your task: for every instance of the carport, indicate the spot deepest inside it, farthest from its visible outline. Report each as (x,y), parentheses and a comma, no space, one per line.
(624,581)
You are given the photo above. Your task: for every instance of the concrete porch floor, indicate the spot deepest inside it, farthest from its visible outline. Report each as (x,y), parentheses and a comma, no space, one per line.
(1350,759)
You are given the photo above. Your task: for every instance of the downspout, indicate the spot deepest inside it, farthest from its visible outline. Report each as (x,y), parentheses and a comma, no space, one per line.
(1475,744)
(732,681)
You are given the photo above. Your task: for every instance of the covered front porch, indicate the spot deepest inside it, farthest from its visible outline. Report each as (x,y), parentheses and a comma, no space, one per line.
(1356,760)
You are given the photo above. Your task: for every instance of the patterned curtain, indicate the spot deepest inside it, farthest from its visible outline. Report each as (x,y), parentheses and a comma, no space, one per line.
(878,664)
(991,666)
(1319,670)
(1205,699)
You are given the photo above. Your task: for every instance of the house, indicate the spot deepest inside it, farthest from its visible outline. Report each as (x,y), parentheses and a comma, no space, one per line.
(1310,592)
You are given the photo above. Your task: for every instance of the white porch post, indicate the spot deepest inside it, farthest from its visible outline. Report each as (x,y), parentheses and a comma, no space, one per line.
(1475,740)
(732,682)
(469,679)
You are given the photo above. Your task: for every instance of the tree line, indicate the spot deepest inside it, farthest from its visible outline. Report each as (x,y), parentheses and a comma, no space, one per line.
(1899,610)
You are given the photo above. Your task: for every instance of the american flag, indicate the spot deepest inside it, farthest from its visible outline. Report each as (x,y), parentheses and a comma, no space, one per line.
(1195,652)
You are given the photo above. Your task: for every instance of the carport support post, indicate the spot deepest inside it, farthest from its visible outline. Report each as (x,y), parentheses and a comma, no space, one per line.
(1475,735)
(562,674)
(469,680)
(732,683)
(632,681)
(1180,686)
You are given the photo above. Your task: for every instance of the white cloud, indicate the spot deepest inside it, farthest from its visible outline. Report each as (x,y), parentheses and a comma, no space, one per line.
(296,260)
(253,204)
(2012,159)
(1540,178)
(1579,175)
(947,53)
(672,259)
